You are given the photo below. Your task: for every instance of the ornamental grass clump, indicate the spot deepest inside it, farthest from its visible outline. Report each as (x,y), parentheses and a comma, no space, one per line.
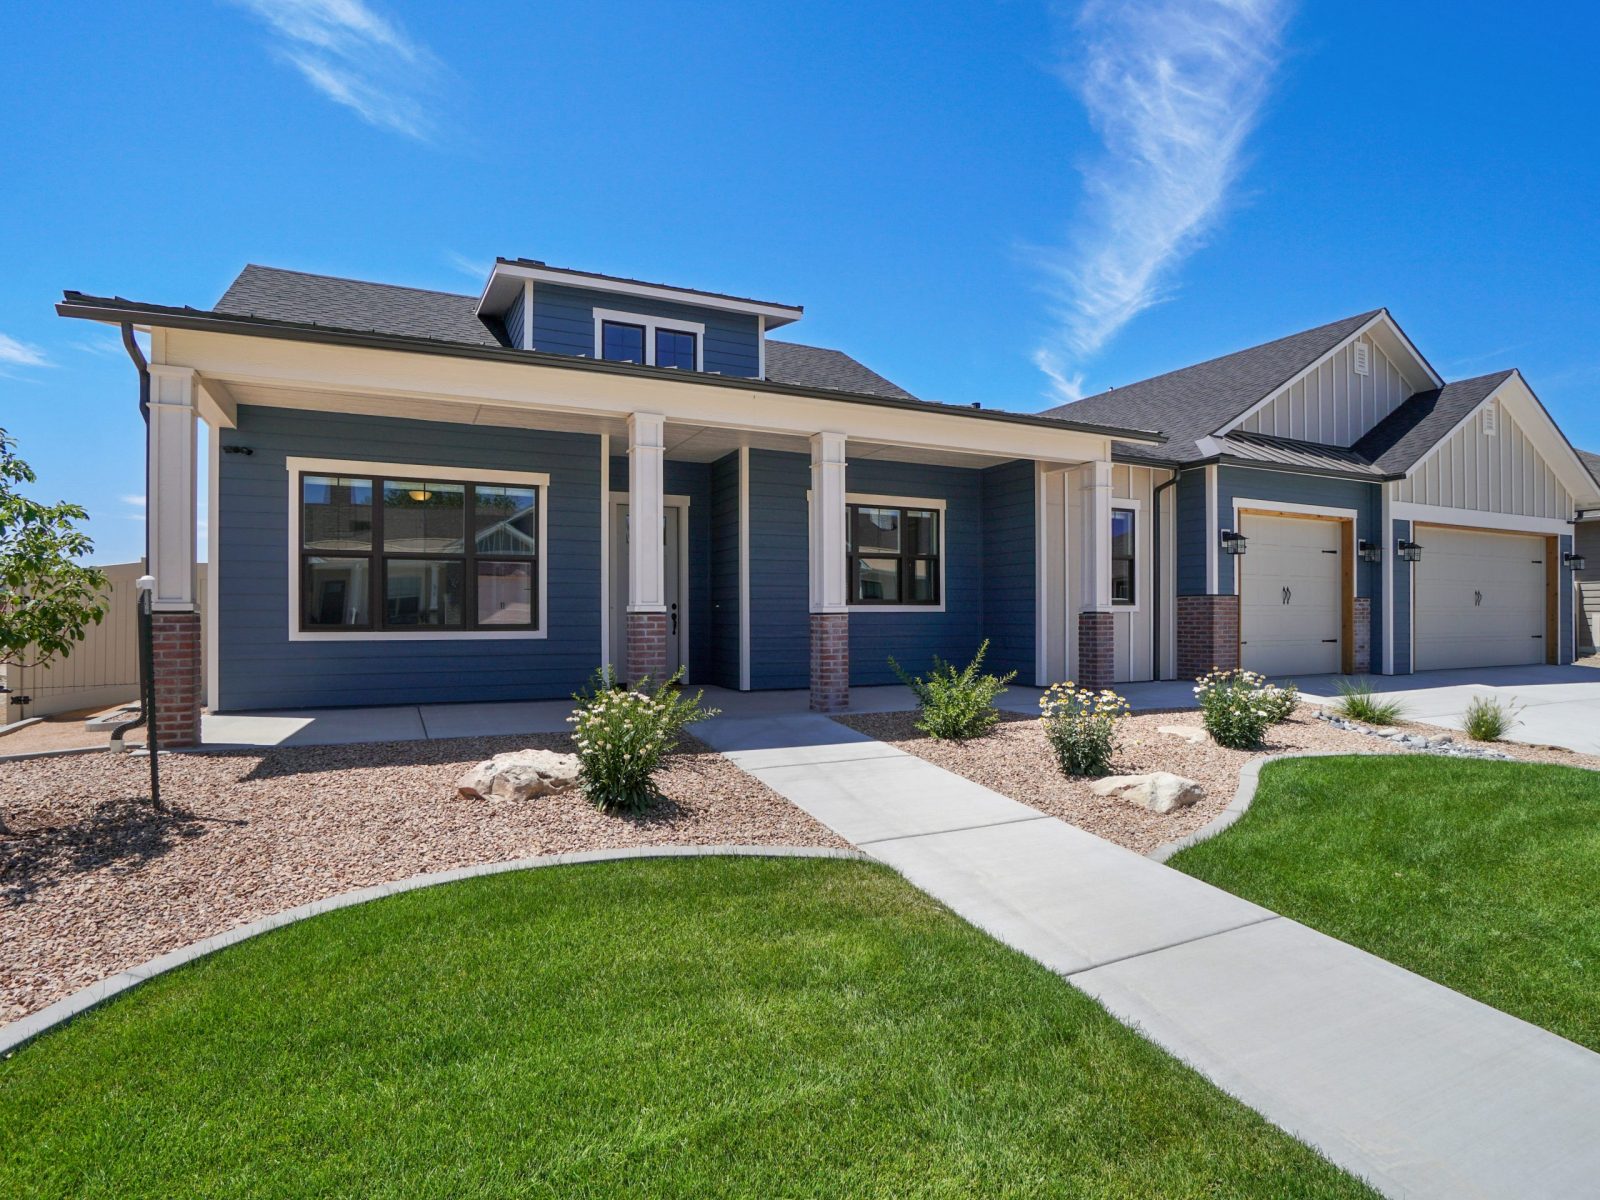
(622,734)
(1358,702)
(956,705)
(1237,706)
(1081,727)
(1487,720)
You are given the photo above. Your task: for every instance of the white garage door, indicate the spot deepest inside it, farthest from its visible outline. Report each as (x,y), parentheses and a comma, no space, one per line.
(1479,599)
(1289,605)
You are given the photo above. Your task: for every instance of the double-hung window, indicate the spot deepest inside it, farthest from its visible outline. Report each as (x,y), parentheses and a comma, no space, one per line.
(383,553)
(894,554)
(1124,580)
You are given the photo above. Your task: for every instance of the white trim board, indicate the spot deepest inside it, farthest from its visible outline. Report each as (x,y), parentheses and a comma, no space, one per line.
(1134,505)
(1472,518)
(605,550)
(297,467)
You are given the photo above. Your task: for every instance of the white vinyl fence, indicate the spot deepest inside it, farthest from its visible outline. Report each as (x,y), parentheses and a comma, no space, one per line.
(102,670)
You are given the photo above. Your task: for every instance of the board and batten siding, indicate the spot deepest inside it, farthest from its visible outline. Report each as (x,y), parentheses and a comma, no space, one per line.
(261,668)
(563,323)
(1132,627)
(1500,473)
(1332,404)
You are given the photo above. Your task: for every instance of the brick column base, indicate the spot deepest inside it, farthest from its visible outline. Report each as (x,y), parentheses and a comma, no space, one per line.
(1208,635)
(1361,658)
(647,646)
(176,654)
(1097,649)
(830,662)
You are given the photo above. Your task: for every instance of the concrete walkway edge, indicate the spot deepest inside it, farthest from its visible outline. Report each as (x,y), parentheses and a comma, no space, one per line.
(25,1029)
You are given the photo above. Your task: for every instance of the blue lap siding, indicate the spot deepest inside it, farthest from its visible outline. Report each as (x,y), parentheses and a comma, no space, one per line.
(563,323)
(1011,580)
(261,668)
(1402,600)
(725,572)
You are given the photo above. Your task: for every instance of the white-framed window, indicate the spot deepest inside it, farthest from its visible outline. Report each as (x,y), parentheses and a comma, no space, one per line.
(405,551)
(1124,557)
(896,553)
(649,341)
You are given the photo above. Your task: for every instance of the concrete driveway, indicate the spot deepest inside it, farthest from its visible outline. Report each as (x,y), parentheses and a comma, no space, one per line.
(1555,706)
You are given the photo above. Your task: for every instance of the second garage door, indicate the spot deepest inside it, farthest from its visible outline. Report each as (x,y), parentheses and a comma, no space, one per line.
(1479,599)
(1290,612)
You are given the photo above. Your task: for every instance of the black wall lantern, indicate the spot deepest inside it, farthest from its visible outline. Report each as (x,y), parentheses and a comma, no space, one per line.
(1573,562)
(1408,551)
(1369,551)
(1234,542)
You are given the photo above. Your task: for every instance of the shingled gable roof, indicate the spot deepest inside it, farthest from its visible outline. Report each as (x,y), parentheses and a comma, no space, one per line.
(1193,402)
(1402,439)
(357,305)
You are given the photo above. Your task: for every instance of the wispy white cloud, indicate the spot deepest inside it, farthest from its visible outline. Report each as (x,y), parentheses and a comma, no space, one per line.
(133,500)
(469,266)
(20,354)
(356,57)
(1173,88)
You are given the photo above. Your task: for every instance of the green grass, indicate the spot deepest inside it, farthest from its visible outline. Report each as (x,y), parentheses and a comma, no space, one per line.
(1358,702)
(1479,875)
(712,1027)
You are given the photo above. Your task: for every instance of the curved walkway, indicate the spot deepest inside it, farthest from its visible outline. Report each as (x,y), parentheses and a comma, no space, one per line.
(31,1026)
(1414,1087)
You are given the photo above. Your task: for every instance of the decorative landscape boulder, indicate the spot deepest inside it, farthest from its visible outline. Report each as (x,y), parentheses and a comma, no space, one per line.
(519,775)
(1192,734)
(1159,792)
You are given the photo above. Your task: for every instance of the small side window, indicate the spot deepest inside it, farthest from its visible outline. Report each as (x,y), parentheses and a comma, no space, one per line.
(1123,537)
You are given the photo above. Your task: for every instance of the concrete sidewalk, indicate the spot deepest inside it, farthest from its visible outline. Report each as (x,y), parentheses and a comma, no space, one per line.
(1408,1084)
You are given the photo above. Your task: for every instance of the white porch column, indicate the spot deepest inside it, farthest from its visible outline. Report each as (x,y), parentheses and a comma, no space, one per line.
(829,576)
(647,581)
(1096,623)
(170,505)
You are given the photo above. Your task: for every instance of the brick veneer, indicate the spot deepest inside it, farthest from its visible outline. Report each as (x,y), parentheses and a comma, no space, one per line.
(1097,649)
(175,649)
(647,646)
(830,662)
(1361,617)
(1208,634)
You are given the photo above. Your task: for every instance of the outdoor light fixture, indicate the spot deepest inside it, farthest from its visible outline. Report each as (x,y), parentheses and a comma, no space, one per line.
(1573,562)
(1234,542)
(1369,551)
(1408,551)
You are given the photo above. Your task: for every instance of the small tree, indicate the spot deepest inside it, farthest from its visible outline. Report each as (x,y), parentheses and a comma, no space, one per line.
(47,601)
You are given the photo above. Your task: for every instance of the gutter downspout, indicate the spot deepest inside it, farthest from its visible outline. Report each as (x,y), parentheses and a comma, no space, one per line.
(1155,630)
(143,368)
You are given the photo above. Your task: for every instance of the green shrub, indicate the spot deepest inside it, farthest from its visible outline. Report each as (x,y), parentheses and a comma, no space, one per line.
(1487,720)
(1358,702)
(1237,706)
(1081,726)
(623,734)
(956,704)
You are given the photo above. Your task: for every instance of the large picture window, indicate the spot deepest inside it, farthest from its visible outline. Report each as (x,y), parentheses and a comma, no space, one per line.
(894,554)
(1124,530)
(397,555)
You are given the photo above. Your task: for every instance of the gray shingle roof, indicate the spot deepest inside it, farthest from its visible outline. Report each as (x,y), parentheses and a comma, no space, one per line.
(354,304)
(1592,462)
(1190,403)
(1406,435)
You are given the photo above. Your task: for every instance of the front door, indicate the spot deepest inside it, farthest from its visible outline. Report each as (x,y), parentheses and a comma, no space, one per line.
(677,614)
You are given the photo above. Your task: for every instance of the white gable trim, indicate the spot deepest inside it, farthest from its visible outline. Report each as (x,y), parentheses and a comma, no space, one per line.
(1380,319)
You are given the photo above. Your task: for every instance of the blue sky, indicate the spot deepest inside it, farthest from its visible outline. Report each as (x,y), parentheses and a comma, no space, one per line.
(985,202)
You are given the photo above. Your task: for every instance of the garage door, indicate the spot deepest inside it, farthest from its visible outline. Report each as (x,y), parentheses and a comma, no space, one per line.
(1289,604)
(1479,599)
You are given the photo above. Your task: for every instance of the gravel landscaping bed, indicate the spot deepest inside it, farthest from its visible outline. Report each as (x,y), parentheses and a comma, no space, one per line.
(92,881)
(1015,760)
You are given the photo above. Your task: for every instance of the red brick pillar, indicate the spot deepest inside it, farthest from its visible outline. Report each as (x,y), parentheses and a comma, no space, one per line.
(1361,618)
(830,662)
(176,654)
(647,646)
(1097,649)
(1208,635)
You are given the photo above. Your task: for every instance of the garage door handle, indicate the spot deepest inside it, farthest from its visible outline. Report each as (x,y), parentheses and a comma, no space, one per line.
(1477,599)
(1286,594)
(1330,641)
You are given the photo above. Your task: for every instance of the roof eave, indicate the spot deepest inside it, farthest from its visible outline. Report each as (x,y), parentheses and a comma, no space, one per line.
(116,310)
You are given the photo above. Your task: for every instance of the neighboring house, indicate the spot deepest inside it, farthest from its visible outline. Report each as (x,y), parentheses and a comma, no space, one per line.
(1588,542)
(427,497)
(1388,520)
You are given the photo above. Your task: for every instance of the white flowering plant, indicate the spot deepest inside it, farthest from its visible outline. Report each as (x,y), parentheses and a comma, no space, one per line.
(622,734)
(1236,707)
(1081,726)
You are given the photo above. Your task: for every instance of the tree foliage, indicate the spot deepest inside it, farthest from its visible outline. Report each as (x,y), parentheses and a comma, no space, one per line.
(47,601)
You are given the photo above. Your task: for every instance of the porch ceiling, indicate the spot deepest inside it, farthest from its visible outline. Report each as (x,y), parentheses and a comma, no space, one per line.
(685,442)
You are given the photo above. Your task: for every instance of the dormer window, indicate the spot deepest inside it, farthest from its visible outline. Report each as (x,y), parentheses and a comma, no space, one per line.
(648,341)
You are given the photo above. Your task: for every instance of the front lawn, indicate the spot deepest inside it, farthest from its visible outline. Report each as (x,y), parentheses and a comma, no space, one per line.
(704,1027)
(1479,875)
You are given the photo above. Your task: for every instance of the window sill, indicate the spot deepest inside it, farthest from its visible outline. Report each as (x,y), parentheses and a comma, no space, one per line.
(443,635)
(894,608)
